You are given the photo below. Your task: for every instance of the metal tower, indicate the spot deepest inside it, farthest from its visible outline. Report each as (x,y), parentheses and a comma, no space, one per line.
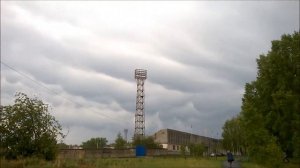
(140,76)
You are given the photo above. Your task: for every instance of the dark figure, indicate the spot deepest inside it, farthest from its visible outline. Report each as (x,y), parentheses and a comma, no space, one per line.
(230,158)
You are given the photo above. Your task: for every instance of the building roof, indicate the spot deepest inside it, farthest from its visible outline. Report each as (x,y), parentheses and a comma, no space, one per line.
(168,129)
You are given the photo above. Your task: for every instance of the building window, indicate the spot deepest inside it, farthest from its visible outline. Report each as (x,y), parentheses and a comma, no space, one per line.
(177,147)
(173,147)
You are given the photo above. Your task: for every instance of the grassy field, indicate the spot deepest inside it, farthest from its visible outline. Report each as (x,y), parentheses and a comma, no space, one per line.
(115,163)
(148,162)
(247,164)
(253,165)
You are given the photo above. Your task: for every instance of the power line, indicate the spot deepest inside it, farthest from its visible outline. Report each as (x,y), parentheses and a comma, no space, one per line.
(53,92)
(38,83)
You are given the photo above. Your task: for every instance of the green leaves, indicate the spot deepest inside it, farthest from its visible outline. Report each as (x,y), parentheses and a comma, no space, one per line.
(196,150)
(234,135)
(277,86)
(95,143)
(146,141)
(27,128)
(120,143)
(270,118)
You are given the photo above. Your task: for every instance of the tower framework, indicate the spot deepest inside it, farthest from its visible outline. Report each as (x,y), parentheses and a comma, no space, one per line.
(140,76)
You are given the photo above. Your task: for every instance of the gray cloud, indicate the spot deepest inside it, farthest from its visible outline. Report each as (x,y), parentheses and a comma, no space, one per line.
(198,55)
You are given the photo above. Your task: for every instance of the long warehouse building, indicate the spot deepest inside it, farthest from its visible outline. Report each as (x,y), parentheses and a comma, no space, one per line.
(172,140)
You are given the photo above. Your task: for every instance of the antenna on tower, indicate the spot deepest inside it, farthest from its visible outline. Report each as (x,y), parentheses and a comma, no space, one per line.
(140,76)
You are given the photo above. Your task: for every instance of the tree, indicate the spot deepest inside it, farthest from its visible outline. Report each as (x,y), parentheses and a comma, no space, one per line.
(270,115)
(95,143)
(120,143)
(147,141)
(234,136)
(27,128)
(197,150)
(62,146)
(278,90)
(183,151)
(262,146)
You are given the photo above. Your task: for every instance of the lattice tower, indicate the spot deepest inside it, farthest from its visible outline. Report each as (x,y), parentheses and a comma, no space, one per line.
(140,76)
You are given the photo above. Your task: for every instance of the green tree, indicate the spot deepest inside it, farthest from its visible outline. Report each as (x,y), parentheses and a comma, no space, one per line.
(183,151)
(234,136)
(94,143)
(262,146)
(62,146)
(278,89)
(120,143)
(147,141)
(270,115)
(27,128)
(196,150)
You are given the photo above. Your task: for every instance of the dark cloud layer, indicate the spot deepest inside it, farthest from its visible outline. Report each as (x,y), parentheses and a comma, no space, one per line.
(199,55)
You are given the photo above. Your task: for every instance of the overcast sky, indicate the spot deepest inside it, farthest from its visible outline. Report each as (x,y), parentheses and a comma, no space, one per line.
(198,55)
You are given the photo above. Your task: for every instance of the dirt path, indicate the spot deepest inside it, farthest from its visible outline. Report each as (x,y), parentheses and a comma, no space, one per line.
(235,164)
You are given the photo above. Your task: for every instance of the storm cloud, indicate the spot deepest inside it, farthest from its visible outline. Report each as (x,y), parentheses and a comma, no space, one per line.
(80,58)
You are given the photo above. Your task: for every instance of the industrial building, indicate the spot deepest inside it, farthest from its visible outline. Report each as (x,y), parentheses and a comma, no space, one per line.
(172,140)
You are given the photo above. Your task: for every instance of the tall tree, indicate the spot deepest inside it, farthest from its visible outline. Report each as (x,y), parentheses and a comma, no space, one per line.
(120,143)
(27,128)
(233,136)
(262,147)
(270,109)
(278,88)
(95,143)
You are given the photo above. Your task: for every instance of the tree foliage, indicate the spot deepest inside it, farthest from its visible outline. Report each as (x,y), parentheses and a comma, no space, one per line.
(183,151)
(234,136)
(278,91)
(148,142)
(62,146)
(95,143)
(120,143)
(270,118)
(196,150)
(27,128)
(263,147)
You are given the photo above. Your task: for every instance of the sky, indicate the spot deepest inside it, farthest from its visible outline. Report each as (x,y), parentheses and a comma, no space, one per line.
(79,57)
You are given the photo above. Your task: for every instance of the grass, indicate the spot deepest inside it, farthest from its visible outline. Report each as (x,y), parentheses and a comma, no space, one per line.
(148,162)
(253,165)
(246,164)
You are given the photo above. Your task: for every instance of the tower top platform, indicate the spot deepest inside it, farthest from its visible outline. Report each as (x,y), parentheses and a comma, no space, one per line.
(140,74)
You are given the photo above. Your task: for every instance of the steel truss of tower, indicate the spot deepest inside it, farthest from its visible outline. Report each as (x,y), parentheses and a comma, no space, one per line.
(140,76)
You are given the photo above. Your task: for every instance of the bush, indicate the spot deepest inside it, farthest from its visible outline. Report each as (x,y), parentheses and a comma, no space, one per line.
(269,155)
(197,150)
(28,129)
